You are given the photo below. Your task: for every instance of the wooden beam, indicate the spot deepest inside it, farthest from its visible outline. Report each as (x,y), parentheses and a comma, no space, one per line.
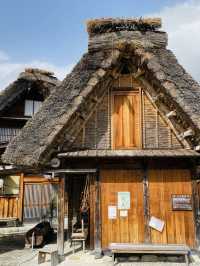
(61,214)
(146,204)
(139,73)
(158,97)
(196,204)
(197,148)
(92,209)
(21,198)
(97,230)
(171,114)
(188,133)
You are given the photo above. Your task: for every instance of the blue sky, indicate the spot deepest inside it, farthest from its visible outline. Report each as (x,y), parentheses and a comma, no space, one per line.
(52,34)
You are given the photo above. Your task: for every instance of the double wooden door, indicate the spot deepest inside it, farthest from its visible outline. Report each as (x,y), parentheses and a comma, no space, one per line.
(179,225)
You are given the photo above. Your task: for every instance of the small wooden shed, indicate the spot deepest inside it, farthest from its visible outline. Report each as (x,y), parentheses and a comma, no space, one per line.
(128,119)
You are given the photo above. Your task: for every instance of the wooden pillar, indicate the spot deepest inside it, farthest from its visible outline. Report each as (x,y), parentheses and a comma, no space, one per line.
(196,211)
(97,229)
(21,199)
(92,210)
(196,203)
(146,203)
(61,215)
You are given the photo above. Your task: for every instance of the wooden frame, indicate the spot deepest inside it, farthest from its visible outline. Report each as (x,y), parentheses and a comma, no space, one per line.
(184,208)
(126,92)
(39,179)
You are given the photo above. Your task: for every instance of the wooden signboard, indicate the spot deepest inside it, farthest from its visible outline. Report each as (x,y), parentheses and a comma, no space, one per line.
(181,202)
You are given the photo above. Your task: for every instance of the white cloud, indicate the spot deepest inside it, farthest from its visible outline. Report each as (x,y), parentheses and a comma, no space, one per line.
(3,56)
(10,70)
(182,22)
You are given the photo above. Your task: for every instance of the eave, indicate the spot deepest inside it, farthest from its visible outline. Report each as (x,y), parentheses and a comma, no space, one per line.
(153,153)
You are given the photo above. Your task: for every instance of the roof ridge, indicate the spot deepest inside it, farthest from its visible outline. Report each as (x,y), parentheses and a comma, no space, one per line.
(103,25)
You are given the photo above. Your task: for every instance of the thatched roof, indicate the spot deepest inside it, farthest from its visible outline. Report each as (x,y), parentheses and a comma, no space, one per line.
(149,153)
(105,25)
(59,118)
(45,79)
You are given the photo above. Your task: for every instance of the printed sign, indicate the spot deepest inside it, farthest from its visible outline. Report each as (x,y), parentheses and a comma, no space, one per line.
(112,212)
(124,200)
(123,213)
(182,202)
(156,224)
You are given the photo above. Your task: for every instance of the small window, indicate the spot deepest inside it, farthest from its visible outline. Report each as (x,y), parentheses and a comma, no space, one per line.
(9,185)
(31,107)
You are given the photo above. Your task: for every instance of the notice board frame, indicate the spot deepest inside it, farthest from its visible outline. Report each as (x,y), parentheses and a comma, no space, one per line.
(184,202)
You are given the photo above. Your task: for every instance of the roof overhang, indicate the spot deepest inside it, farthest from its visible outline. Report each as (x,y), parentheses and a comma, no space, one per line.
(154,153)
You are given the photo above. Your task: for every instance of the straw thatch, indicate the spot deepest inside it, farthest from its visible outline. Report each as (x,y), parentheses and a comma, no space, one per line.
(105,25)
(62,115)
(44,79)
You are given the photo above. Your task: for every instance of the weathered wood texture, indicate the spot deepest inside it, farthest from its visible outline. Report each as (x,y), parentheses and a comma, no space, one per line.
(132,153)
(126,120)
(9,207)
(92,211)
(21,198)
(179,225)
(123,229)
(156,132)
(162,184)
(61,215)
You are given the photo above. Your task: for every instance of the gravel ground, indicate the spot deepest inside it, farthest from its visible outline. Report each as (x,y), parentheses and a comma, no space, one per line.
(13,253)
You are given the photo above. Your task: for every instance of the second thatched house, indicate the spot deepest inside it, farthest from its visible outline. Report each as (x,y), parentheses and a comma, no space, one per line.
(19,194)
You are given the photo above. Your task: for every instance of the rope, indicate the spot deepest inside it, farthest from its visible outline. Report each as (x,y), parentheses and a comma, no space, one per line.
(85,198)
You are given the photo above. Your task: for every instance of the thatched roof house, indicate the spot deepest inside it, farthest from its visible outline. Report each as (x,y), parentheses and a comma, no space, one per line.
(35,84)
(113,43)
(44,79)
(107,130)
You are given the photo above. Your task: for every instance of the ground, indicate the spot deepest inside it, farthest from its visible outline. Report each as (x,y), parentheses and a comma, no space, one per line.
(13,253)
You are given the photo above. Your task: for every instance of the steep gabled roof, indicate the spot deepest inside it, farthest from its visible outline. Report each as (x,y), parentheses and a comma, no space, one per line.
(46,79)
(62,115)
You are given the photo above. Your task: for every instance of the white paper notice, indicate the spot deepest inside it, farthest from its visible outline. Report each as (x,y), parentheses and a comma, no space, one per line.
(112,212)
(123,213)
(156,224)
(124,200)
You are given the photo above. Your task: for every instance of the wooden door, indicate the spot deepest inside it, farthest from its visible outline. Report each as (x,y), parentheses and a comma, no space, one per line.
(122,229)
(125,120)
(179,225)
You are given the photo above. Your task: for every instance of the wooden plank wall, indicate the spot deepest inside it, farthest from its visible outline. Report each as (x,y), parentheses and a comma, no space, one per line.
(162,184)
(9,207)
(179,225)
(123,229)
